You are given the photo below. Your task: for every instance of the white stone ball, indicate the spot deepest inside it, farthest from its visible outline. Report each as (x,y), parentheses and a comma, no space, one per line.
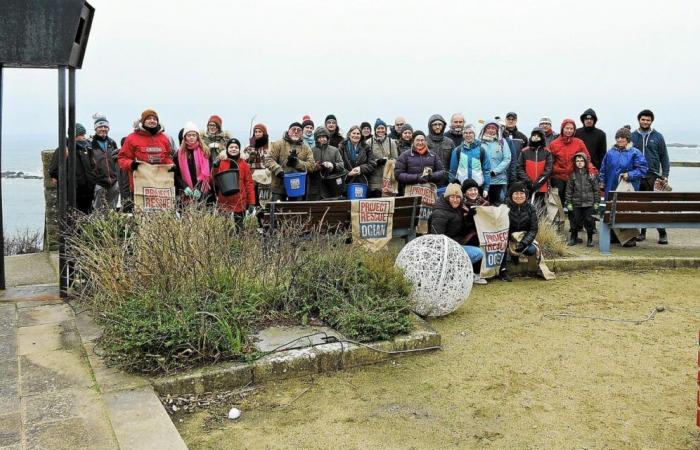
(441,274)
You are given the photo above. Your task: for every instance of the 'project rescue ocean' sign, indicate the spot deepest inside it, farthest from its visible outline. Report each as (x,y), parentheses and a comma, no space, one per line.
(372,222)
(154,187)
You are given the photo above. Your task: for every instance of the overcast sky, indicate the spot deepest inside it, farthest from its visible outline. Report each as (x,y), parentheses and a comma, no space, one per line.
(366,59)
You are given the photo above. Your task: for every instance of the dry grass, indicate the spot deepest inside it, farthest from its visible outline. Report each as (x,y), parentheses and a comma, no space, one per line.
(551,241)
(22,242)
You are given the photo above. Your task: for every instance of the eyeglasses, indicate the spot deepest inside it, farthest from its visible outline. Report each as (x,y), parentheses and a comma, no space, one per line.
(212,125)
(399,125)
(331,121)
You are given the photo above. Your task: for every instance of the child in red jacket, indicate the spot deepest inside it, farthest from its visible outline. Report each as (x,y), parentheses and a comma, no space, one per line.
(244,199)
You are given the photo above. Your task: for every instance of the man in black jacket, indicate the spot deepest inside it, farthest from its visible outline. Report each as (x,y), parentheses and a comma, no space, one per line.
(518,141)
(104,156)
(594,138)
(84,171)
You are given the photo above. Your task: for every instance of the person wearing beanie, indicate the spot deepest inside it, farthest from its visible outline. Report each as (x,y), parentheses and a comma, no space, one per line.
(523,220)
(419,165)
(104,151)
(147,144)
(327,179)
(594,138)
(535,166)
(563,150)
(456,130)
(193,181)
(405,140)
(470,161)
(653,146)
(383,149)
(448,219)
(257,150)
(498,151)
(331,124)
(214,137)
(546,124)
(397,128)
(366,131)
(242,201)
(358,160)
(307,129)
(288,155)
(85,175)
(439,144)
(624,161)
(582,197)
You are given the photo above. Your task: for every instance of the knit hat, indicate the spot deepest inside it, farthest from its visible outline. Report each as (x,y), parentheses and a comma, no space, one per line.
(365,125)
(330,117)
(100,120)
(453,189)
(624,133)
(511,114)
(379,122)
(517,187)
(233,141)
(216,119)
(645,113)
(80,129)
(406,127)
(306,120)
(148,112)
(469,126)
(295,124)
(190,126)
(468,184)
(321,131)
(545,119)
(415,133)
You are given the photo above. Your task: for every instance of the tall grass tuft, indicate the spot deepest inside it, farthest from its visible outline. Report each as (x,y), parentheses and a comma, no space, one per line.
(550,239)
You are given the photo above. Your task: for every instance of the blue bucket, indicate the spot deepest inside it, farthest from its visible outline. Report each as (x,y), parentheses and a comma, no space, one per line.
(357,190)
(295,184)
(441,191)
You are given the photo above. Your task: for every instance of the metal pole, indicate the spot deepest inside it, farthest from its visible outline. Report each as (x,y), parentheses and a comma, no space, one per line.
(62,183)
(72,186)
(2,230)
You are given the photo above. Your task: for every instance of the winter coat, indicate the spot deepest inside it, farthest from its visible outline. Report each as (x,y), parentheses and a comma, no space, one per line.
(471,161)
(258,150)
(516,141)
(471,235)
(593,138)
(653,146)
(365,161)
(181,185)
(563,150)
(85,176)
(457,138)
(384,149)
(410,165)
(440,145)
(104,161)
(499,154)
(240,201)
(447,220)
(549,138)
(141,145)
(216,142)
(335,139)
(621,160)
(535,167)
(582,188)
(523,218)
(319,187)
(403,146)
(276,161)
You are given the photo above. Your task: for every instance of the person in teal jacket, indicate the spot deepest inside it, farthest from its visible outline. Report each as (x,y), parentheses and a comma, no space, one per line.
(470,161)
(498,151)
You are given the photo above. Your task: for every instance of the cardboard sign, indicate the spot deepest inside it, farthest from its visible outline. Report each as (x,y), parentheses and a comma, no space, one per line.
(372,222)
(390,185)
(428,194)
(492,226)
(154,187)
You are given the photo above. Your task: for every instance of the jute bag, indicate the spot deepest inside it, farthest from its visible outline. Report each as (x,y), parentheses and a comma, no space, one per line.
(390,185)
(555,210)
(492,226)
(372,222)
(428,194)
(625,235)
(533,262)
(154,187)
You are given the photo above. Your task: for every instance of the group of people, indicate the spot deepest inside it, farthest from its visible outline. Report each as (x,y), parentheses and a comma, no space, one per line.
(494,164)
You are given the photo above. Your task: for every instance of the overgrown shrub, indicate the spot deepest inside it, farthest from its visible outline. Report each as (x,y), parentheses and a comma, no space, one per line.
(551,241)
(22,242)
(178,291)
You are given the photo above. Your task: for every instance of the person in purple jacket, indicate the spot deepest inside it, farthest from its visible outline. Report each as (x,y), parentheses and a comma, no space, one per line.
(419,165)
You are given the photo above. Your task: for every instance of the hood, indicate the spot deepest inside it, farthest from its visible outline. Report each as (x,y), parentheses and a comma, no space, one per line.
(321,131)
(589,112)
(436,118)
(573,159)
(543,137)
(563,124)
(483,129)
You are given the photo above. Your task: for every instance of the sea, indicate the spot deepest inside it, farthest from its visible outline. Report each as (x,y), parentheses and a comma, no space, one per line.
(23,199)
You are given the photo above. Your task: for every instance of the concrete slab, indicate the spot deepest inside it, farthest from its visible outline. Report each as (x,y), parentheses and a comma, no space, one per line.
(88,329)
(289,337)
(69,434)
(33,268)
(8,370)
(9,396)
(8,347)
(53,371)
(44,338)
(10,429)
(110,379)
(140,421)
(42,292)
(45,314)
(8,320)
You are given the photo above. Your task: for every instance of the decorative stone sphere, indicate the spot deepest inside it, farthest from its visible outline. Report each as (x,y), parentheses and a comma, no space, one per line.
(440,271)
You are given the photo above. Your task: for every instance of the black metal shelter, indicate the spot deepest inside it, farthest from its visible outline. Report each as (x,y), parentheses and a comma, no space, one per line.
(48,34)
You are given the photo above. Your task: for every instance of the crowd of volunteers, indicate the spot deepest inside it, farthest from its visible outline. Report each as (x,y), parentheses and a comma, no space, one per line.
(493,163)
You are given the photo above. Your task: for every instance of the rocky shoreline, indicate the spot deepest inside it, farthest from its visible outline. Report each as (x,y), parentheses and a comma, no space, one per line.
(22,175)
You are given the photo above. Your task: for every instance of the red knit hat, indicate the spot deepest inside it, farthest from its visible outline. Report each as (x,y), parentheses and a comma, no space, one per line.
(216,119)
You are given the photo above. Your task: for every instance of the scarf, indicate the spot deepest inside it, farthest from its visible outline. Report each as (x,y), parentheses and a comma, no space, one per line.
(309,140)
(153,130)
(353,151)
(202,166)
(422,150)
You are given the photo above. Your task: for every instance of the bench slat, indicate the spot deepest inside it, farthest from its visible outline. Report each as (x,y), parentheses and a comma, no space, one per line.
(657,206)
(652,218)
(657,196)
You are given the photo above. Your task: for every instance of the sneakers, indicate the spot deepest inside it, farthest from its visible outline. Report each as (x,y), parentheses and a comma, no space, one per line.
(642,236)
(505,276)
(663,238)
(479,280)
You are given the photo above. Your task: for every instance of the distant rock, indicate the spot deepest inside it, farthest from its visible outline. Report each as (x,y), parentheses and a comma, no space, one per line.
(22,175)
(676,144)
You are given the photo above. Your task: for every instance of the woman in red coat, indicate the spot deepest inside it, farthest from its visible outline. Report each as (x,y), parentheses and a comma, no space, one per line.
(563,150)
(244,199)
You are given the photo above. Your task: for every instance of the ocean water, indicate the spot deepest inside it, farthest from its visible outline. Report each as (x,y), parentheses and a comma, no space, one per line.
(23,200)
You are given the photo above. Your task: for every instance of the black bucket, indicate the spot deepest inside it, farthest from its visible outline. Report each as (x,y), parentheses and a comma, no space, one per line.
(228,182)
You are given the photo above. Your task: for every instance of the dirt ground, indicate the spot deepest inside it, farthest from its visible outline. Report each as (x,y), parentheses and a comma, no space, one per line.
(508,377)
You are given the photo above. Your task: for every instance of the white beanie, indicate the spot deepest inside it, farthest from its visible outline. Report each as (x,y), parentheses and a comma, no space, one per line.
(100,120)
(190,126)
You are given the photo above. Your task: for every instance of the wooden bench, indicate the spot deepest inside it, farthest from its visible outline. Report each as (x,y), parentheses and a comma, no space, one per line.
(649,210)
(335,214)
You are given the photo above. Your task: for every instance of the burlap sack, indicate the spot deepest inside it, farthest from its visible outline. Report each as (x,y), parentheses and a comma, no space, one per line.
(390,185)
(555,210)
(263,182)
(533,262)
(492,226)
(372,222)
(428,194)
(154,187)
(624,235)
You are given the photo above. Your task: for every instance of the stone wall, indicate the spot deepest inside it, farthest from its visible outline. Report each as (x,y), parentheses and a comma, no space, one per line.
(51,228)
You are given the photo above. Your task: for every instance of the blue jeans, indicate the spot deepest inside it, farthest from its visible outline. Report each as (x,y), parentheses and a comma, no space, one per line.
(530,250)
(474,253)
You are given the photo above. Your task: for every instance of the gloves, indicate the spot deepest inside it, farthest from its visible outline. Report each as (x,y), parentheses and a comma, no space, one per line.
(423,179)
(172,169)
(328,165)
(197,194)
(596,207)
(493,174)
(216,163)
(485,194)
(251,210)
(188,191)
(134,165)
(381,161)
(569,206)
(280,174)
(292,160)
(520,247)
